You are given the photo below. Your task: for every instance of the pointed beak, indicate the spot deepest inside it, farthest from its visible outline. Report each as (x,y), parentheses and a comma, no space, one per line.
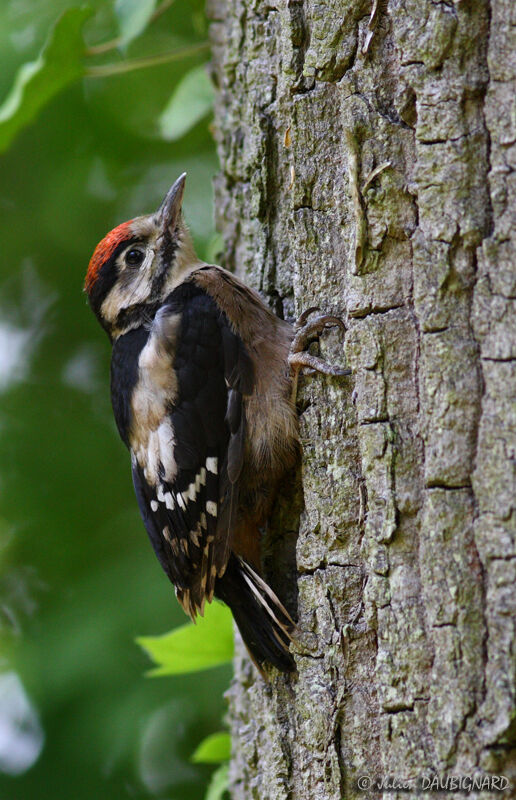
(170,208)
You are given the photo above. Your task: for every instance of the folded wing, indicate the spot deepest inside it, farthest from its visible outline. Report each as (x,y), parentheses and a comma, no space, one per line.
(186,476)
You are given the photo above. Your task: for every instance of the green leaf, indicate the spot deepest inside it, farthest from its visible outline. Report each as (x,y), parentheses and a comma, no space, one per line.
(133,17)
(59,64)
(218,784)
(191,648)
(191,101)
(213,749)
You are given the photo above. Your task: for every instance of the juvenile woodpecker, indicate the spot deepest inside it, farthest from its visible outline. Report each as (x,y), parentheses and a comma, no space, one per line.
(202,377)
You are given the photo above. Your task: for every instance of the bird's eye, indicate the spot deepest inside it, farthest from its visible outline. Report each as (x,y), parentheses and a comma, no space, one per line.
(134,257)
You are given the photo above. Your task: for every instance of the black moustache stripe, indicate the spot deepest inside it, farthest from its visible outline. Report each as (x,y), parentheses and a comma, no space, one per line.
(166,258)
(139,312)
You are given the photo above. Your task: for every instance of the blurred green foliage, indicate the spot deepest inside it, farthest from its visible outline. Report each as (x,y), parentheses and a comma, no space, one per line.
(78,578)
(59,64)
(178,652)
(214,749)
(190,102)
(218,783)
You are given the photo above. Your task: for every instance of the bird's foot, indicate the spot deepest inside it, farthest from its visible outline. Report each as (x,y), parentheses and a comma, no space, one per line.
(306,332)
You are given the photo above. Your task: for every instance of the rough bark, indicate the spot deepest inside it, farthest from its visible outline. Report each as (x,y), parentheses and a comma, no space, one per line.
(368,155)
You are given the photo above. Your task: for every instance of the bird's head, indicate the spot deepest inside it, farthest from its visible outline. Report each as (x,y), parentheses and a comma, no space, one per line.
(138,264)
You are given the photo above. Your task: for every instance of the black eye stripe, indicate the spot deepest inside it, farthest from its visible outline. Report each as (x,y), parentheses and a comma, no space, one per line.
(122,247)
(108,275)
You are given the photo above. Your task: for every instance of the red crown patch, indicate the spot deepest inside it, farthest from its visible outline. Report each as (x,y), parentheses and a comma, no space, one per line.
(104,250)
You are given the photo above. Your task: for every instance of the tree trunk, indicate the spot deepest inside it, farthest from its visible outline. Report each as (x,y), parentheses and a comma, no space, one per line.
(368,155)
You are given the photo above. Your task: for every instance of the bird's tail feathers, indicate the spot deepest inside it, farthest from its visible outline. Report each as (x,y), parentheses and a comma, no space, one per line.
(263,621)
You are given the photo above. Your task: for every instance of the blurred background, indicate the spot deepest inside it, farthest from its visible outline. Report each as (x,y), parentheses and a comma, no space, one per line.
(78,578)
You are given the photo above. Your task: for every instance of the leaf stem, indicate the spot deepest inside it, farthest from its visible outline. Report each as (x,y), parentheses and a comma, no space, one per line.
(103,47)
(113,44)
(106,70)
(165,5)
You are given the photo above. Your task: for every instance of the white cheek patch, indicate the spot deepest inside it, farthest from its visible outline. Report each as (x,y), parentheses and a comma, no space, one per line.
(123,296)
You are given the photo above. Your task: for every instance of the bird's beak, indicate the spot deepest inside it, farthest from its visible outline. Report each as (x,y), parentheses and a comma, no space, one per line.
(170,208)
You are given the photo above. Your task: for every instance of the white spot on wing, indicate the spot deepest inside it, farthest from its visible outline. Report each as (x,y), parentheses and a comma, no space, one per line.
(180,501)
(166,449)
(211,508)
(169,501)
(194,536)
(154,505)
(211,464)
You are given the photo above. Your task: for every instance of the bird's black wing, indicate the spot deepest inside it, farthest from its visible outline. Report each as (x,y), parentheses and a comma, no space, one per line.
(188,509)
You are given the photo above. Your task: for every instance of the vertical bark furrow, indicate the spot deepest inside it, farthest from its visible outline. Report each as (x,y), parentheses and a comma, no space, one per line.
(494,322)
(367,153)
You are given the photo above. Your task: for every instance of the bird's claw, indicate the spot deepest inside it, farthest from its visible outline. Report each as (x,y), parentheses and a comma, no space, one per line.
(305,332)
(301,320)
(304,359)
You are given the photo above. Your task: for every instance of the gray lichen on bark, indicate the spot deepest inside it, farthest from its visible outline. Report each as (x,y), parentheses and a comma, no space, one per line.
(368,155)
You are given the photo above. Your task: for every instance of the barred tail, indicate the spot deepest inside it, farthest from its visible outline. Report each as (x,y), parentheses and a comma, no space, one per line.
(264,623)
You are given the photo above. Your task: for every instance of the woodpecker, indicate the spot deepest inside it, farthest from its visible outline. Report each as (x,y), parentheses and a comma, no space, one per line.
(202,382)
